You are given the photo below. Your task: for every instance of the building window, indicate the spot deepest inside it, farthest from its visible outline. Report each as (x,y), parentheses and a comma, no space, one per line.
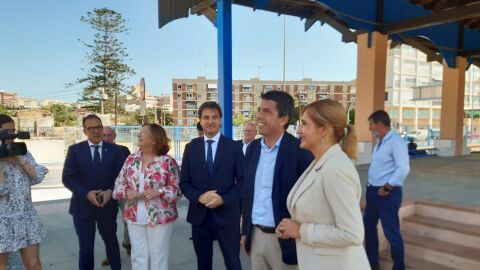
(396,64)
(409,67)
(323,89)
(179,86)
(408,114)
(422,114)
(424,69)
(393,114)
(396,81)
(410,81)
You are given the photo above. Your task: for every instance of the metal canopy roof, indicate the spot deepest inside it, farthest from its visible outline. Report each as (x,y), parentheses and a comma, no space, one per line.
(442,29)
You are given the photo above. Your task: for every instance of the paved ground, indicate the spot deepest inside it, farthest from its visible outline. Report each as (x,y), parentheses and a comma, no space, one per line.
(453,180)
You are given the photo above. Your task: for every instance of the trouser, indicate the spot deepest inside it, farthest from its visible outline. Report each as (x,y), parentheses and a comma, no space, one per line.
(228,239)
(105,220)
(266,253)
(385,209)
(150,244)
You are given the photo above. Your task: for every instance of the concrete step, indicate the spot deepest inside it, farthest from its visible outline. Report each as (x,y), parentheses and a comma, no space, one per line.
(450,212)
(411,263)
(441,252)
(444,230)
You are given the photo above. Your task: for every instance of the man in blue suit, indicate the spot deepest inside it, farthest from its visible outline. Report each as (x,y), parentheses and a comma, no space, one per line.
(90,170)
(212,180)
(273,165)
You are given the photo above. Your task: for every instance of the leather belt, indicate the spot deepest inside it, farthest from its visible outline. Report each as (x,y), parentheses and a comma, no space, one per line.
(265,229)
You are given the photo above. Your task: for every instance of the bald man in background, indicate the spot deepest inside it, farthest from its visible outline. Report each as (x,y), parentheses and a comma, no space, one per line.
(109,135)
(249,133)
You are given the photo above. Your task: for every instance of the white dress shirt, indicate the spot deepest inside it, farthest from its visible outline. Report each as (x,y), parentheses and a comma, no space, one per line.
(92,148)
(215,140)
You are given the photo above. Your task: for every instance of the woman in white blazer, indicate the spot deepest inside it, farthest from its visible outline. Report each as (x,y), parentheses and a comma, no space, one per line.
(324,203)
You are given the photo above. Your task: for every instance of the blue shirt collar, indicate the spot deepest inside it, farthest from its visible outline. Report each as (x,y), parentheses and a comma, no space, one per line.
(277,143)
(387,136)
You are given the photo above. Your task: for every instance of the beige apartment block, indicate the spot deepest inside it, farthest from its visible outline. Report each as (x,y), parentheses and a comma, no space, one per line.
(413,90)
(189,94)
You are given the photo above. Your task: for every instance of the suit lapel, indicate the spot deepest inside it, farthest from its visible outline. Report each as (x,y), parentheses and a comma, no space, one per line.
(87,152)
(106,153)
(281,156)
(257,149)
(308,179)
(305,181)
(201,150)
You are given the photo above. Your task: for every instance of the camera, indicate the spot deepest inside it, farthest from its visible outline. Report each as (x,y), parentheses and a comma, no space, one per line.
(13,149)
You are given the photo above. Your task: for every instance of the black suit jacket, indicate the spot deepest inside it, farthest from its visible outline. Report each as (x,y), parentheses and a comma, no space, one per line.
(291,162)
(80,176)
(227,178)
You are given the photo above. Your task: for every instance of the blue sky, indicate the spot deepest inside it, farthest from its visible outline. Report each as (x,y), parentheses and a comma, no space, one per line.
(40,51)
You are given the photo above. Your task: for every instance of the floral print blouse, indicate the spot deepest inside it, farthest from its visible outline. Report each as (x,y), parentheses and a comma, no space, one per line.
(162,175)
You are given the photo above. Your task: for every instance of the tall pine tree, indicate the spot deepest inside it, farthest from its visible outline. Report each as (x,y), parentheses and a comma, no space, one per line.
(106,58)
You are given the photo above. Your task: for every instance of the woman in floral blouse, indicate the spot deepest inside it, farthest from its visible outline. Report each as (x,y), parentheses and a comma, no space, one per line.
(148,182)
(20,226)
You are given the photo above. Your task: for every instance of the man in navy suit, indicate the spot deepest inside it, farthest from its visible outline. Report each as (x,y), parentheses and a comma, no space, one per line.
(212,180)
(273,165)
(90,170)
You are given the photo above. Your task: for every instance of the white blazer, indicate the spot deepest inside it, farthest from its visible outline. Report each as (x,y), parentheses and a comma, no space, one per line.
(325,200)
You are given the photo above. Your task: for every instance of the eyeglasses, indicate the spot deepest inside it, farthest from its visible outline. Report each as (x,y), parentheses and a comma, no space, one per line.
(97,128)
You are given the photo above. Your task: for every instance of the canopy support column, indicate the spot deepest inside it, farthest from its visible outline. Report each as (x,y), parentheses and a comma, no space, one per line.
(451,141)
(370,90)
(224,39)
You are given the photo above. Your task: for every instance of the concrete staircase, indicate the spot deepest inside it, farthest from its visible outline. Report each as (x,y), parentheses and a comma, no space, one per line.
(438,236)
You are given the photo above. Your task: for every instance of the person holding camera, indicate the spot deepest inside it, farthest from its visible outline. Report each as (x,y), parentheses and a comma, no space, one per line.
(20,226)
(89,172)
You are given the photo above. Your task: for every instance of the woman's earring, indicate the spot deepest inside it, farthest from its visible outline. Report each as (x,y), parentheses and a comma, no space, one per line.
(323,141)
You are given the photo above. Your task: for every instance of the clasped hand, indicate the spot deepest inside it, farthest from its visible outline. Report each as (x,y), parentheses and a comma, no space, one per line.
(94,194)
(148,195)
(211,199)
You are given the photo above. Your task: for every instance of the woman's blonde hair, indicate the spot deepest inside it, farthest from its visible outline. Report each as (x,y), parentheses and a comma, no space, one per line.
(327,112)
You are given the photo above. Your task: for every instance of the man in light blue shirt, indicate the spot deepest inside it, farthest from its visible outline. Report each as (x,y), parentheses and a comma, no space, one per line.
(274,162)
(262,212)
(388,170)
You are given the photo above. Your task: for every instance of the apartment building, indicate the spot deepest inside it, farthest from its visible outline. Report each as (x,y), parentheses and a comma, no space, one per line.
(414,86)
(189,94)
(8,99)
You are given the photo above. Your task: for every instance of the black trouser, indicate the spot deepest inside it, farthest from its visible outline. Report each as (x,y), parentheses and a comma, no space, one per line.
(105,220)
(228,238)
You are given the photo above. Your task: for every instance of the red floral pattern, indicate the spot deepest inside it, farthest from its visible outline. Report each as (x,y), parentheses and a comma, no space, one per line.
(162,175)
